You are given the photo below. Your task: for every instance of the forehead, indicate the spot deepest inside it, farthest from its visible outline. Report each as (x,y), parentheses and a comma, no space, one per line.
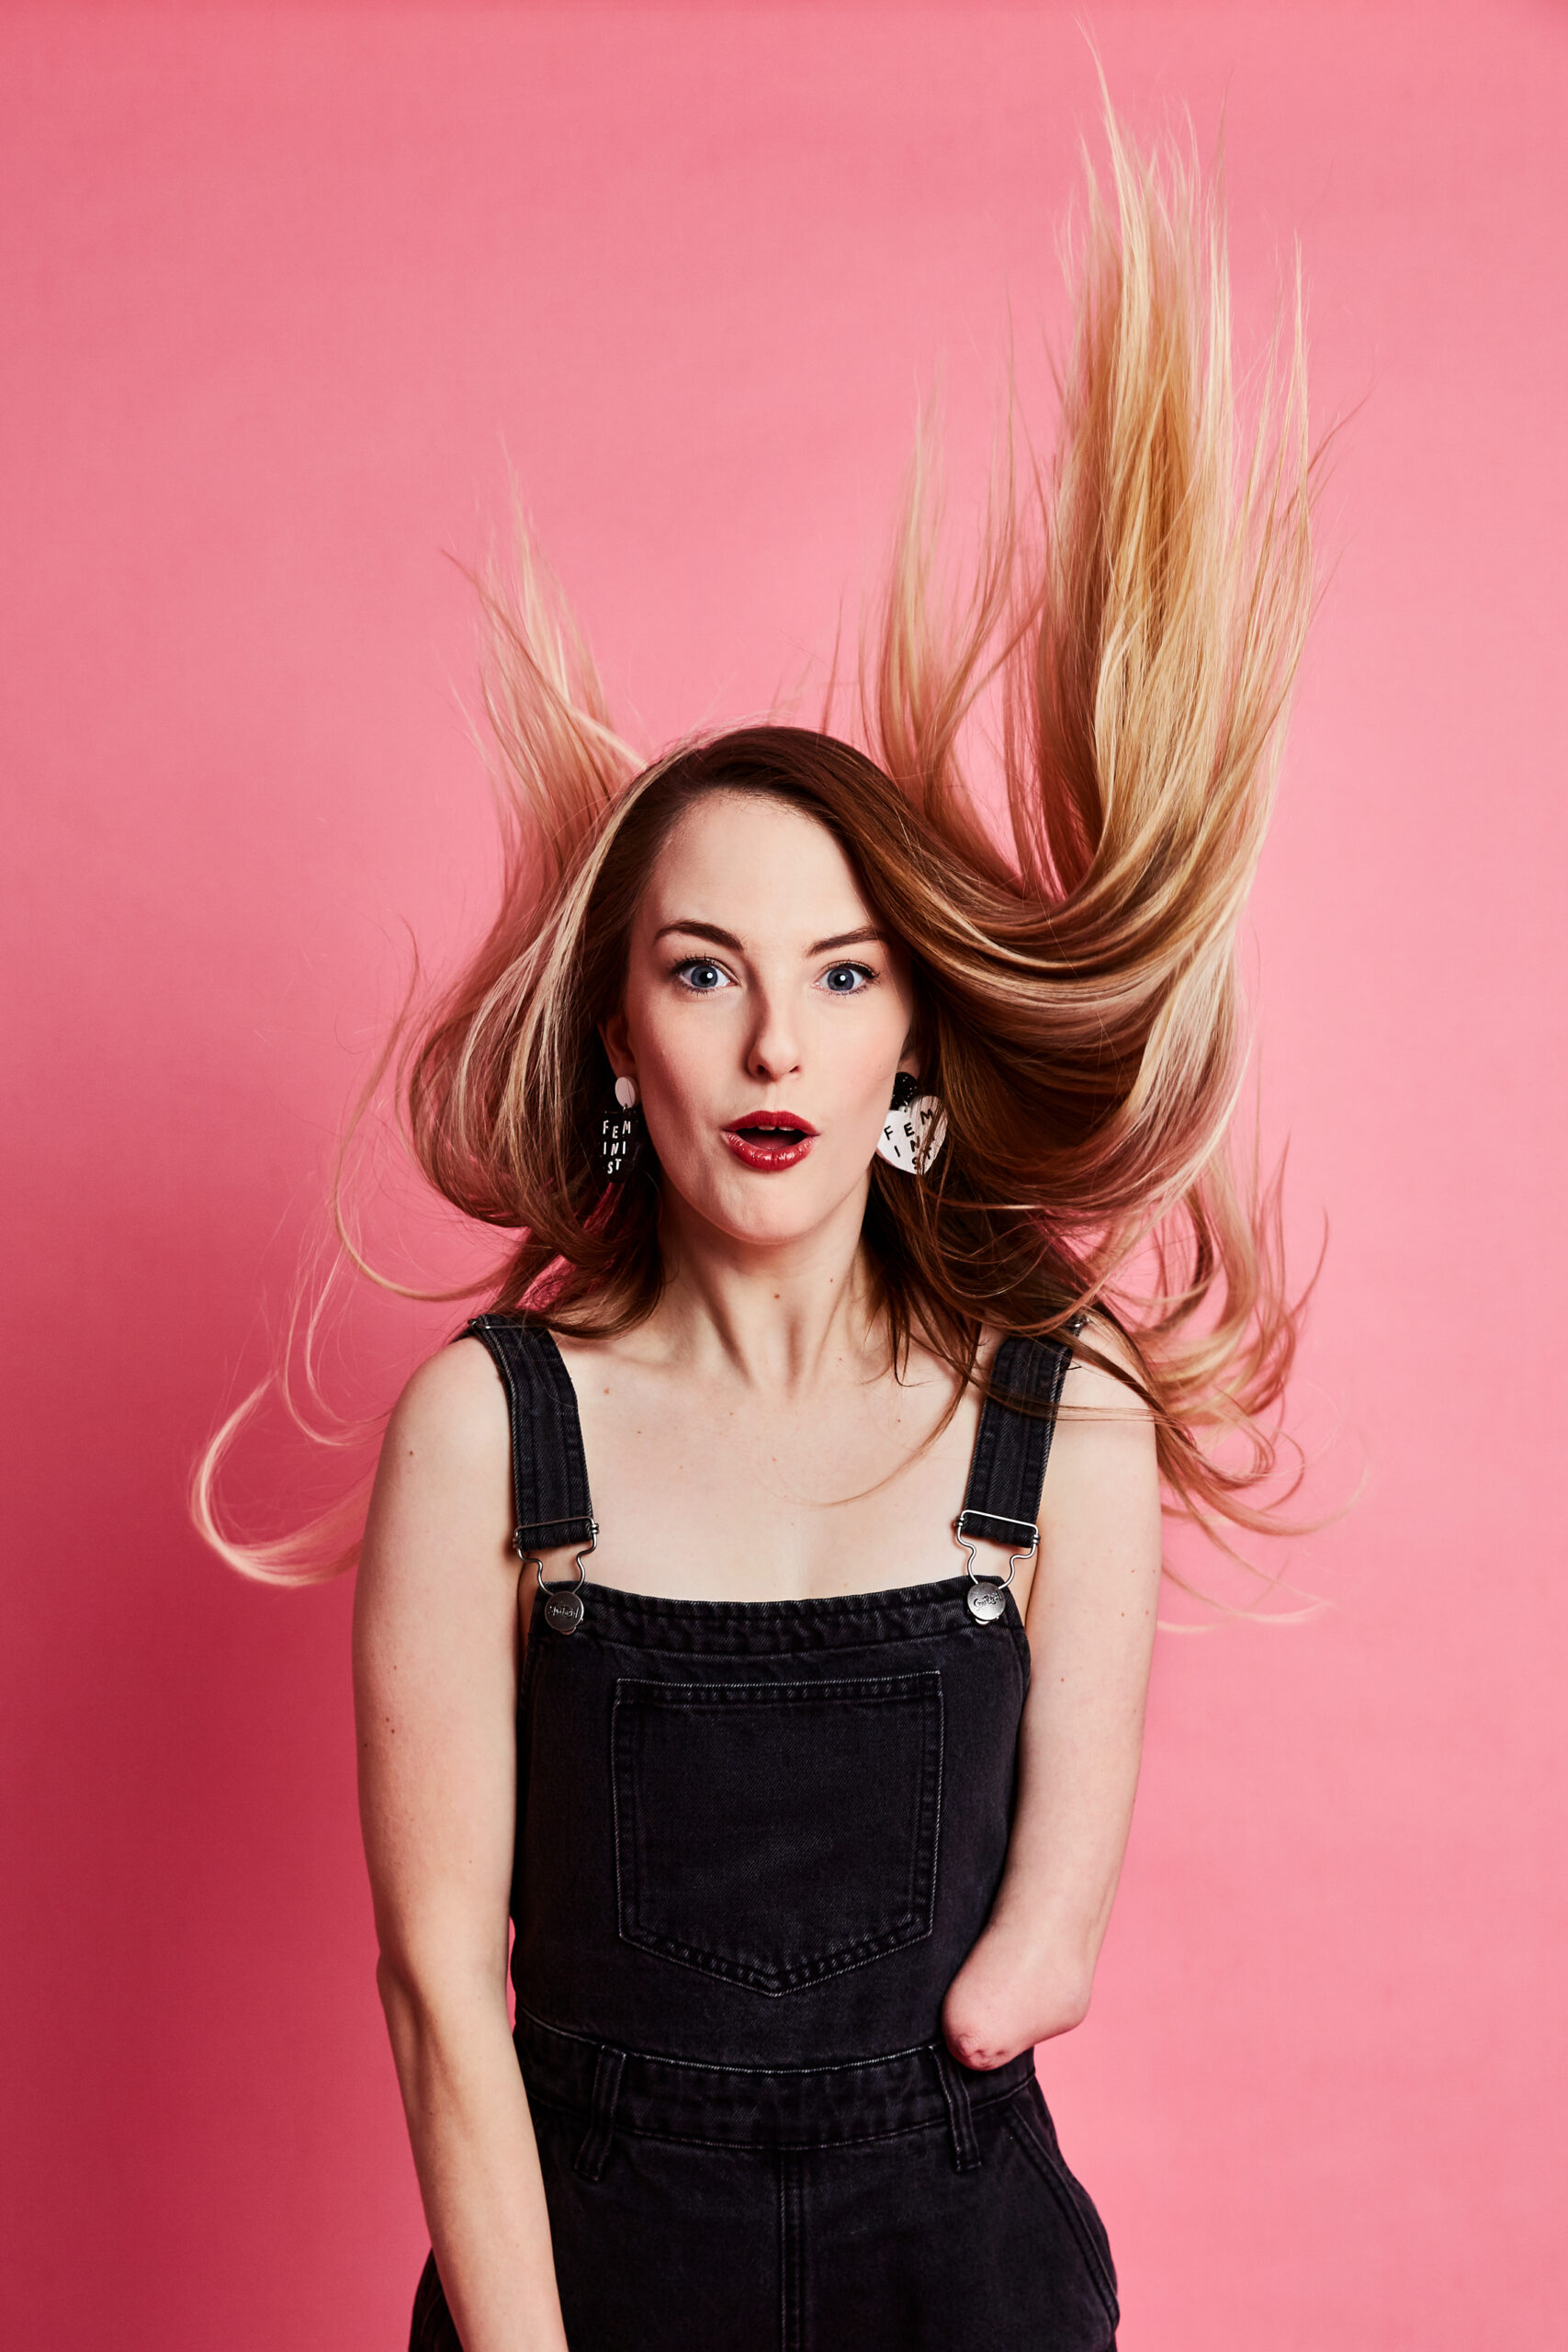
(754,866)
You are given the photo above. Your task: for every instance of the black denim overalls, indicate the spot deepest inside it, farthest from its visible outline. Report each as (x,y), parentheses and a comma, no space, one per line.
(756,1840)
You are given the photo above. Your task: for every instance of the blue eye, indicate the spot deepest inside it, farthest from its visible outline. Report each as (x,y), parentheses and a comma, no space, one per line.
(701,976)
(847,979)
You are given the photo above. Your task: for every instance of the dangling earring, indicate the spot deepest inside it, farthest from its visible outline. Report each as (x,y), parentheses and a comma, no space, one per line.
(621,1133)
(914,1130)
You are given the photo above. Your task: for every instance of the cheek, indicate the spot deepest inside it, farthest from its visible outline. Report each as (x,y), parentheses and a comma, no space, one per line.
(680,1060)
(871,1055)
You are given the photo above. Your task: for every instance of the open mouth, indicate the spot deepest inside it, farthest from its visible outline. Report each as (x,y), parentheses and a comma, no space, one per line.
(756,1130)
(770,1139)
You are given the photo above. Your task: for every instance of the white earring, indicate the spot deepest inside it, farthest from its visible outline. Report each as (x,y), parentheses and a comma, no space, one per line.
(626,1094)
(914,1130)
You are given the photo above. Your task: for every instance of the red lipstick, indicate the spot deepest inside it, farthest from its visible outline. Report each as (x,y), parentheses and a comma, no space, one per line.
(769,1141)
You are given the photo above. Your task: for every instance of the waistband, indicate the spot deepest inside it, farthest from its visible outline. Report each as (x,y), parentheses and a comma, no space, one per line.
(756,2107)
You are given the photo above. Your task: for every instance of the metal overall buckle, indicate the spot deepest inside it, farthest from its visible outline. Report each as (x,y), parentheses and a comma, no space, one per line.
(563,1602)
(985,1596)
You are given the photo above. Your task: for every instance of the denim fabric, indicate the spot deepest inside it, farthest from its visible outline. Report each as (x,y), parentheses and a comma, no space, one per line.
(756,1841)
(868,2246)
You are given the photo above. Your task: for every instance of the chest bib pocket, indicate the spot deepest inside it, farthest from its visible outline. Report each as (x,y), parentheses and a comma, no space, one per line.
(775,1833)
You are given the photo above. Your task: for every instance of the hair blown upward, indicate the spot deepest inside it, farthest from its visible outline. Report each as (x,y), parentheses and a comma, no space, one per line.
(1138,616)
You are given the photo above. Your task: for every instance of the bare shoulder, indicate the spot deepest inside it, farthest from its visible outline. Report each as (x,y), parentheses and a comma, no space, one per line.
(1099,1510)
(1102,1481)
(443,1484)
(1090,1388)
(453,1411)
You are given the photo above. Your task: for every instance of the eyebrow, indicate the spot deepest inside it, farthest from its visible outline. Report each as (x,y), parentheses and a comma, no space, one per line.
(864,937)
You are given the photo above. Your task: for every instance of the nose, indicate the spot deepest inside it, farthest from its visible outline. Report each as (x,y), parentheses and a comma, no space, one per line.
(773,1048)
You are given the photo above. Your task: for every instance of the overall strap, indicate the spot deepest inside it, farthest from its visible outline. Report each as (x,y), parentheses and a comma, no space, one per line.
(549,1475)
(1002,1502)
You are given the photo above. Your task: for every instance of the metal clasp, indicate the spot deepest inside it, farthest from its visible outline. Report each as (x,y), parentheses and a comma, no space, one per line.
(563,1602)
(985,1595)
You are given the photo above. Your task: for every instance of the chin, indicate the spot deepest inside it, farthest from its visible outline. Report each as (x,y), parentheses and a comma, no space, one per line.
(768,1232)
(768,1214)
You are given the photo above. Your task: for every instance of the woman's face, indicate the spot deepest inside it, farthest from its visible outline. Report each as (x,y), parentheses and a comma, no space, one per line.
(765,1019)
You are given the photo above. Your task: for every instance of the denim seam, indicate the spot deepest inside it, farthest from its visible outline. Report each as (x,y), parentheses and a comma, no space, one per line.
(668,2137)
(867,1686)
(888,1941)
(967,1629)
(876,1598)
(594,2152)
(937,1804)
(1022,2127)
(961,2121)
(791,2233)
(720,2066)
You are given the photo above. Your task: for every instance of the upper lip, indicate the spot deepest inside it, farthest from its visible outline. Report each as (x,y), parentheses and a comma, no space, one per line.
(771,1119)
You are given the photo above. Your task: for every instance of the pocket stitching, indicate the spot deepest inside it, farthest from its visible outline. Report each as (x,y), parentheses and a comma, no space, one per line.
(922,1684)
(1050,2165)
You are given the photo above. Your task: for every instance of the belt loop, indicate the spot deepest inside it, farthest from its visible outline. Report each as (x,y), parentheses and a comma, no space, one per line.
(593,2154)
(955,2091)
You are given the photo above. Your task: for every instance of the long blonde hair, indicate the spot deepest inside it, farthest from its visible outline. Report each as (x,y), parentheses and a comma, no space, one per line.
(1133,625)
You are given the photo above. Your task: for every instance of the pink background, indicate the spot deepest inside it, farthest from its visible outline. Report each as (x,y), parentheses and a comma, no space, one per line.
(278,288)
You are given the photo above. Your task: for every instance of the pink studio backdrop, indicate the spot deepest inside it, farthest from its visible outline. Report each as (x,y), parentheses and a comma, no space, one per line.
(279,290)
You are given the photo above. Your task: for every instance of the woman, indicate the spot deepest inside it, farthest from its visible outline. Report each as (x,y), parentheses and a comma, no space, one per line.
(834,1139)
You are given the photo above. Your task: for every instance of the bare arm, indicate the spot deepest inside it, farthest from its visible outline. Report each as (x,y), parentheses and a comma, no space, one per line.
(435,1682)
(1090,1626)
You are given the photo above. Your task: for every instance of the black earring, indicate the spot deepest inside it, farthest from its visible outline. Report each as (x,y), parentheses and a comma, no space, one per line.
(621,1132)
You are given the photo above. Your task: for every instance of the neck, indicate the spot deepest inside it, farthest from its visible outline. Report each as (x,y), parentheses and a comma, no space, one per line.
(784,1317)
